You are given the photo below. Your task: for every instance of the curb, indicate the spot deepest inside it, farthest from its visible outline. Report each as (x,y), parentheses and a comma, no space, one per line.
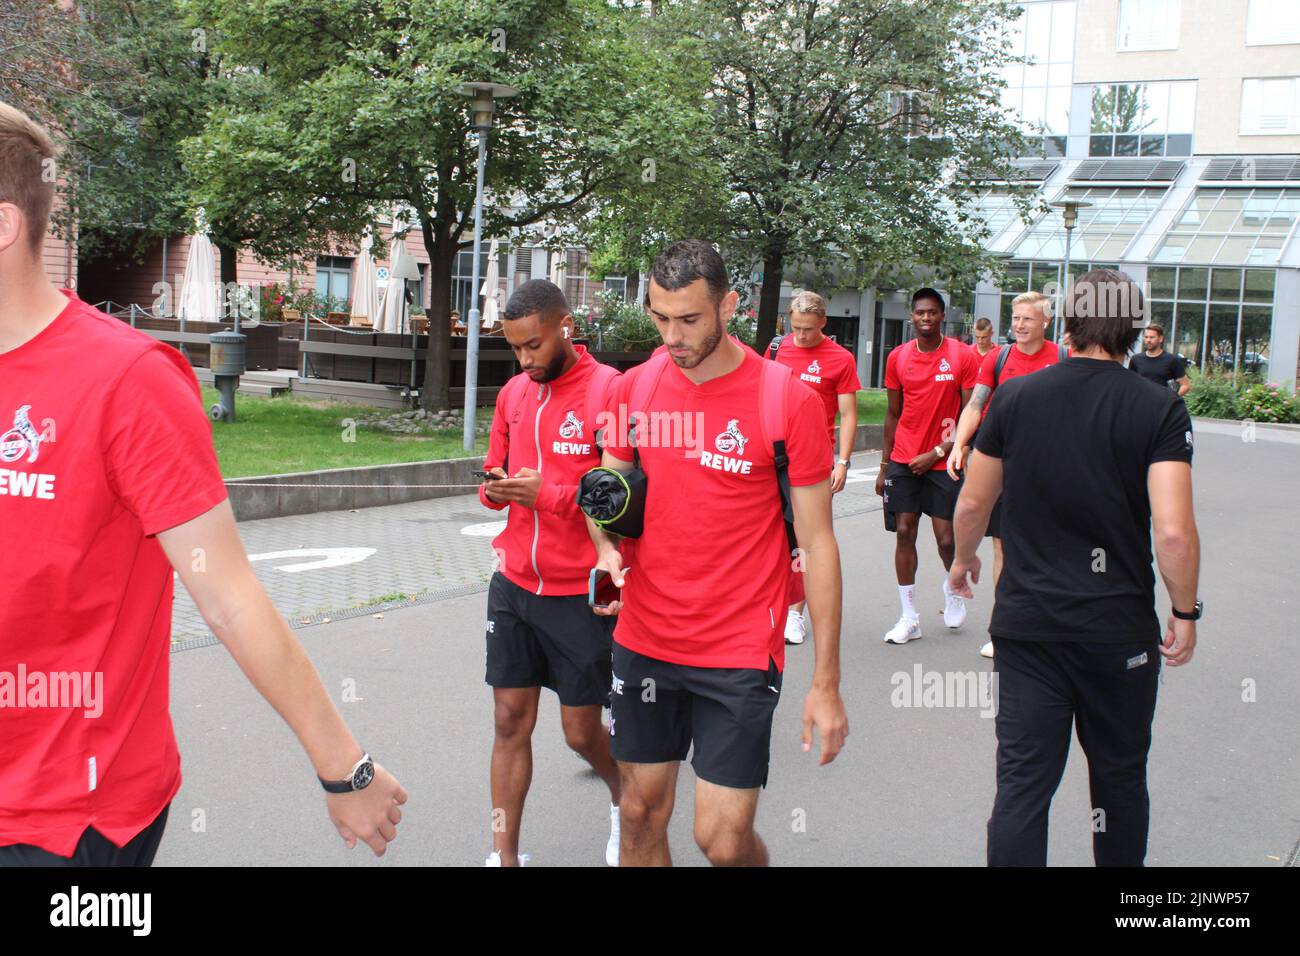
(1280,426)
(371,486)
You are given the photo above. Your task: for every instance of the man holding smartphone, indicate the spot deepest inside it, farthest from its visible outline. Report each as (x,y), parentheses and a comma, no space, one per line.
(540,630)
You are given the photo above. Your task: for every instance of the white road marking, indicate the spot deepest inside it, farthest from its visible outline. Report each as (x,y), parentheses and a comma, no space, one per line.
(487,529)
(327,558)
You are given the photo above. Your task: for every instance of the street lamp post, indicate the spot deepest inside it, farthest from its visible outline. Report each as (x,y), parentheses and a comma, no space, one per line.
(483,109)
(1070,216)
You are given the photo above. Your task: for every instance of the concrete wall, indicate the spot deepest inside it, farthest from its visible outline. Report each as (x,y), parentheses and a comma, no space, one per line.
(306,492)
(1211,49)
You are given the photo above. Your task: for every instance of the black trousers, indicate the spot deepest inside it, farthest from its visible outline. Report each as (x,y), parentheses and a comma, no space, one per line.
(1108,693)
(93,849)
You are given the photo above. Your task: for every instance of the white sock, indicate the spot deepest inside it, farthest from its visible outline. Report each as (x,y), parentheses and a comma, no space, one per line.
(947,591)
(906,597)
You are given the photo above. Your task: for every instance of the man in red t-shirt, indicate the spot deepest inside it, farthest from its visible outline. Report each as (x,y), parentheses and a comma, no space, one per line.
(109,478)
(983,343)
(1030,317)
(698,650)
(928,380)
(832,372)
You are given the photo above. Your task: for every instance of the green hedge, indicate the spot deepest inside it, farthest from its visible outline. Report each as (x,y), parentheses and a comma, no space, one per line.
(1217,396)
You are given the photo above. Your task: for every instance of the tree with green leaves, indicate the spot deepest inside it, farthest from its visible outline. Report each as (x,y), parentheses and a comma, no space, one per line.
(340,110)
(846,138)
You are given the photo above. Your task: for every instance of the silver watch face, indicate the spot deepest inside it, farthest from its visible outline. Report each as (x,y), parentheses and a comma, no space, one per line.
(365,774)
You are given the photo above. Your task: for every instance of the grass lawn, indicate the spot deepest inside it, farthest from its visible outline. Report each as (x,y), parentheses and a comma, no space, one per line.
(276,435)
(871,407)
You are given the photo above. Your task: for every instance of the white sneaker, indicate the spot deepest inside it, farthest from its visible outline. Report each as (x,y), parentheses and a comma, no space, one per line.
(987,649)
(954,608)
(611,848)
(495,859)
(907,629)
(795,629)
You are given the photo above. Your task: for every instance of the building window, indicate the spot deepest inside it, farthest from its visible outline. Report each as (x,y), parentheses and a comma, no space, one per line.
(1237,227)
(1142,119)
(1270,22)
(996,208)
(334,279)
(617,286)
(1216,319)
(1105,228)
(1270,106)
(1149,24)
(909,112)
(462,281)
(575,279)
(1038,90)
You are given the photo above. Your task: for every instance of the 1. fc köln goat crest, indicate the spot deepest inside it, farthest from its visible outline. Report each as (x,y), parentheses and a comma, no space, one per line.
(571,427)
(731,439)
(22,439)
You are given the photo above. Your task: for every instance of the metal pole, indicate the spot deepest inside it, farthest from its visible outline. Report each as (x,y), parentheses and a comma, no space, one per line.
(471,352)
(1064,289)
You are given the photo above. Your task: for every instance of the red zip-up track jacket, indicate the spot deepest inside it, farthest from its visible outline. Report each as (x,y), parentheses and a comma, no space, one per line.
(547,549)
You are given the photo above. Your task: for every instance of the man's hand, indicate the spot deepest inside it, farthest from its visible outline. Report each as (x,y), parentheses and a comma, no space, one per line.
(488,484)
(1180,641)
(611,560)
(923,463)
(956,458)
(957,583)
(370,815)
(880,479)
(824,709)
(522,489)
(838,475)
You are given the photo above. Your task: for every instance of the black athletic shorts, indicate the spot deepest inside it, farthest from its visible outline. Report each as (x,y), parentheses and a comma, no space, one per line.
(933,493)
(658,710)
(93,849)
(995,520)
(555,642)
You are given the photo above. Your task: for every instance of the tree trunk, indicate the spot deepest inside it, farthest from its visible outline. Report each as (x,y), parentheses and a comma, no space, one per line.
(435,395)
(769,298)
(229,264)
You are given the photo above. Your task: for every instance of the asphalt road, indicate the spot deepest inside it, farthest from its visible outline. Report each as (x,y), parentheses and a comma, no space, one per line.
(913,787)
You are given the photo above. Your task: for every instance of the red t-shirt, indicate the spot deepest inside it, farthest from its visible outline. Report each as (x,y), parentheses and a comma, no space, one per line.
(931,383)
(975,349)
(828,368)
(711,570)
(1018,363)
(110,446)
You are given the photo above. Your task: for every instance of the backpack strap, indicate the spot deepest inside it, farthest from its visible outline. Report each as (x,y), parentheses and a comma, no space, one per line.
(597,392)
(771,422)
(642,390)
(508,399)
(1004,353)
(774,346)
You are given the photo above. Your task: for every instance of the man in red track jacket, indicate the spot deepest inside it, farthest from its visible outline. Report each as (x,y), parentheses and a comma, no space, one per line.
(540,631)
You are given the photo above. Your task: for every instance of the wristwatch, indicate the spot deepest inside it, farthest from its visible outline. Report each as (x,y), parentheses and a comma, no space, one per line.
(1195,614)
(362,775)
(938,450)
(843,461)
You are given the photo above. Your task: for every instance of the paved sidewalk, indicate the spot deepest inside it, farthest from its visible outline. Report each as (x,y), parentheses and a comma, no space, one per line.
(424,550)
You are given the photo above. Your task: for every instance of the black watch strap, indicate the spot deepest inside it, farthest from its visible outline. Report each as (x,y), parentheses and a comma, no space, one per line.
(1193,615)
(363,772)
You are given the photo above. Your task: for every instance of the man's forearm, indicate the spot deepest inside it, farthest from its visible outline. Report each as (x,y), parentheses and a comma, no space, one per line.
(1178,555)
(269,654)
(848,434)
(969,521)
(602,539)
(891,424)
(823,589)
(967,422)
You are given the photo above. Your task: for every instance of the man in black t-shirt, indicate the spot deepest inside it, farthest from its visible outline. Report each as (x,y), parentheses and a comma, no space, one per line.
(1097,457)
(1155,364)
